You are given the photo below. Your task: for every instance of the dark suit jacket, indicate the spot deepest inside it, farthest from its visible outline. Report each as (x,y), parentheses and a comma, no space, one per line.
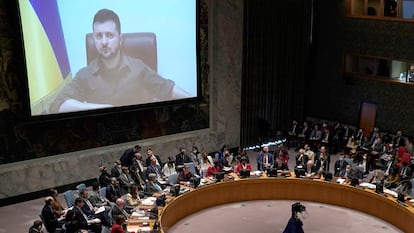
(127,156)
(116,210)
(139,169)
(125,183)
(259,160)
(115,172)
(148,160)
(180,159)
(49,220)
(79,216)
(112,193)
(154,169)
(339,167)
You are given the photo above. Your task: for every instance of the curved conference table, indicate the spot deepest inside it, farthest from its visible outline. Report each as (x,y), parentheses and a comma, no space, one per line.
(365,200)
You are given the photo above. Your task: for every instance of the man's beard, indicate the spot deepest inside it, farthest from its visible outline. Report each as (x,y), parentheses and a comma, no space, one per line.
(111,56)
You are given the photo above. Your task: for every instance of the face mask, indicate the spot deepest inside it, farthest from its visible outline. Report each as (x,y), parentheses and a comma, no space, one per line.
(119,166)
(194,151)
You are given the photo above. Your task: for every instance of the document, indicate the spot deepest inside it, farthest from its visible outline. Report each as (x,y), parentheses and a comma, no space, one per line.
(100,210)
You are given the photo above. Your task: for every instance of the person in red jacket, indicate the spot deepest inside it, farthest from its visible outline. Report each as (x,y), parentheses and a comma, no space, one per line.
(243,165)
(118,225)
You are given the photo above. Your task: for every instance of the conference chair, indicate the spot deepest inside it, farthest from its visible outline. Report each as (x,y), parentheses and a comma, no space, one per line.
(192,167)
(142,45)
(102,192)
(69,198)
(80,186)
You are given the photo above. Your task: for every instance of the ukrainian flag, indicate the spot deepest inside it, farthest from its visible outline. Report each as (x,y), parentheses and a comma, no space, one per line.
(45,50)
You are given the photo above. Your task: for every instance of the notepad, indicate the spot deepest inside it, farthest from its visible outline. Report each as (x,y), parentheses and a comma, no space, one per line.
(100,210)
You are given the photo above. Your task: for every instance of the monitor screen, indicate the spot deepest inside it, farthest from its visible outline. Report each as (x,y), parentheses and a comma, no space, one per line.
(219,176)
(79,57)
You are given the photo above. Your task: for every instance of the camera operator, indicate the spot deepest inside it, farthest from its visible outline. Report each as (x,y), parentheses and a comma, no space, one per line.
(295,223)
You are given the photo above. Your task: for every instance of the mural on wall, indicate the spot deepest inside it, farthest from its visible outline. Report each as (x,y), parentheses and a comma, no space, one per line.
(21,139)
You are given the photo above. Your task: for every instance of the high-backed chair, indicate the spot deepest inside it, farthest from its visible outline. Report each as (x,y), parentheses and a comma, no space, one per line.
(69,198)
(80,186)
(142,45)
(192,167)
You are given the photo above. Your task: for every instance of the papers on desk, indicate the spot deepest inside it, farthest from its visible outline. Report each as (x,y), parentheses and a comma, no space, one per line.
(340,180)
(148,201)
(138,213)
(390,192)
(100,210)
(367,185)
(257,173)
(184,190)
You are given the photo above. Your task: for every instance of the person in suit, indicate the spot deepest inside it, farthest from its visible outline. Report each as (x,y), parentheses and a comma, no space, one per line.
(36,227)
(295,223)
(155,168)
(112,190)
(399,140)
(72,224)
(120,209)
(150,155)
(301,158)
(125,181)
(153,185)
(264,159)
(90,210)
(104,178)
(129,155)
(116,169)
(138,180)
(95,196)
(49,219)
(140,166)
(93,224)
(405,171)
(182,157)
(322,160)
(340,165)
(227,161)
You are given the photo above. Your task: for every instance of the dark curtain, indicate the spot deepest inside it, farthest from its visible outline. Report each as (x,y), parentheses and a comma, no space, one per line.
(277,43)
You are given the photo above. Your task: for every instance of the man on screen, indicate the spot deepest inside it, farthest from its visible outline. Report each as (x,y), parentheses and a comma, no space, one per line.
(113,79)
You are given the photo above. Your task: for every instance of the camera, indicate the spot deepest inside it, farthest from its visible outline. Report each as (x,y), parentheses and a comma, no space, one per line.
(298,207)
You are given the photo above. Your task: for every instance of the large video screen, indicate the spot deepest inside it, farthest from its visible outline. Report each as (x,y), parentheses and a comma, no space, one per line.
(98,54)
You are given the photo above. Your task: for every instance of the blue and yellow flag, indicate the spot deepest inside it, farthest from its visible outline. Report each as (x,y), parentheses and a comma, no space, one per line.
(45,50)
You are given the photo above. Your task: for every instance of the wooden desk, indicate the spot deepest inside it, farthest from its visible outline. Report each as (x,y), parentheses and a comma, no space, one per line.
(321,191)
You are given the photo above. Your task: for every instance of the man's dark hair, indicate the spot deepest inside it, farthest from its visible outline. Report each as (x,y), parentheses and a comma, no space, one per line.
(104,15)
(78,200)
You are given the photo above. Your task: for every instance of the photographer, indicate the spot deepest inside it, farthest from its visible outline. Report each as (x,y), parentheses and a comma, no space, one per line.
(295,223)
